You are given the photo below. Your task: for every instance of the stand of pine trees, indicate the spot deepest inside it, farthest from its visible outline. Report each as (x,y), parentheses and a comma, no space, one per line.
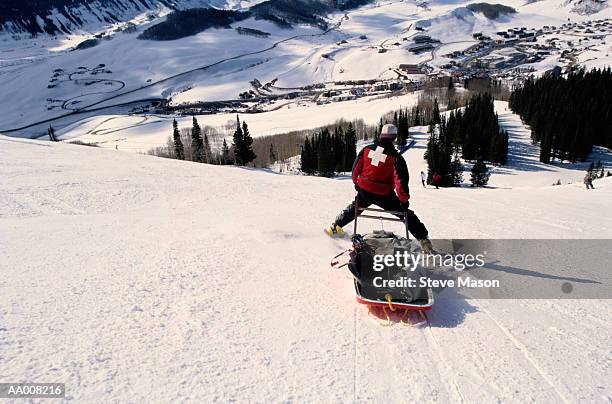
(326,153)
(474,131)
(401,121)
(438,155)
(243,144)
(567,115)
(195,146)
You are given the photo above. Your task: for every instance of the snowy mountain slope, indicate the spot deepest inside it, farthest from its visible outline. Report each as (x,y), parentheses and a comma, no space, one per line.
(62,17)
(66,17)
(587,6)
(454,21)
(154,280)
(137,66)
(218,64)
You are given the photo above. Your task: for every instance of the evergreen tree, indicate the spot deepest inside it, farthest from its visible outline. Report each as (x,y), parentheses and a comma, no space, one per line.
(498,150)
(238,143)
(179,150)
(456,171)
(306,158)
(338,148)
(417,116)
(197,143)
(403,128)
(376,136)
(350,143)
(225,154)
(325,156)
(247,152)
(480,174)
(243,144)
(438,156)
(314,152)
(435,114)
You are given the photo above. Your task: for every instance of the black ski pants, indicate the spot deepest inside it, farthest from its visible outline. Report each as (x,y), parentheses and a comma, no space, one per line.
(387,202)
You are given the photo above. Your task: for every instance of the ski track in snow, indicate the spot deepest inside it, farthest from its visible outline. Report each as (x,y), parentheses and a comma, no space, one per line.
(131,277)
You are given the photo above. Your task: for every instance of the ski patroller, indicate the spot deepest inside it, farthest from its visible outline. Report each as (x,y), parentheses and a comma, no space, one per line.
(380,175)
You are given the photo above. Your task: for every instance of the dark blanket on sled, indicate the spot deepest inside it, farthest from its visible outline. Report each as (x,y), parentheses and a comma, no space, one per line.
(370,281)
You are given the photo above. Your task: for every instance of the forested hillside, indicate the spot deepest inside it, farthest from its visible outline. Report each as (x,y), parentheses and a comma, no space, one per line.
(568,116)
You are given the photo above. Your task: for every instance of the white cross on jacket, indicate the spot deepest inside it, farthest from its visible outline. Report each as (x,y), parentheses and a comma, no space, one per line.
(377,156)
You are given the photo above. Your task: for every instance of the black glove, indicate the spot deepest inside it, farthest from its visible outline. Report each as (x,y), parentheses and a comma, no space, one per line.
(405,205)
(357,188)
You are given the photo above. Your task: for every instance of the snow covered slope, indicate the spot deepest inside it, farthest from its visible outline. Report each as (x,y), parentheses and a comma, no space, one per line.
(46,83)
(62,17)
(135,278)
(141,133)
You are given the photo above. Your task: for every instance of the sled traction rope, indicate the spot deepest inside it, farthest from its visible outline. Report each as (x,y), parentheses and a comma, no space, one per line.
(403,319)
(389,299)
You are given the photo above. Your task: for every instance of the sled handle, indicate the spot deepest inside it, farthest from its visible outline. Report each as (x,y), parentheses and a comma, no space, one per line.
(358,211)
(393,212)
(389,219)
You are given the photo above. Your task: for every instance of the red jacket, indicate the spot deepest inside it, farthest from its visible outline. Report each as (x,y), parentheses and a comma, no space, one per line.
(379,168)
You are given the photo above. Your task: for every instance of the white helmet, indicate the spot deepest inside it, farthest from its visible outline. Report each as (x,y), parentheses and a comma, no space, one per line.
(389,131)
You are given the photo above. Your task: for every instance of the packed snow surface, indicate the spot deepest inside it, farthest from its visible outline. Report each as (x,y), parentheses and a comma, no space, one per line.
(136,278)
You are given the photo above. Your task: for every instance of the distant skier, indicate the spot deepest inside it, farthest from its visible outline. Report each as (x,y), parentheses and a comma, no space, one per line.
(588,181)
(423,179)
(436,179)
(377,171)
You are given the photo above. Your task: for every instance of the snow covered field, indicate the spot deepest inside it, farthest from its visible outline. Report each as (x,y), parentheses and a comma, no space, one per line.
(140,133)
(135,278)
